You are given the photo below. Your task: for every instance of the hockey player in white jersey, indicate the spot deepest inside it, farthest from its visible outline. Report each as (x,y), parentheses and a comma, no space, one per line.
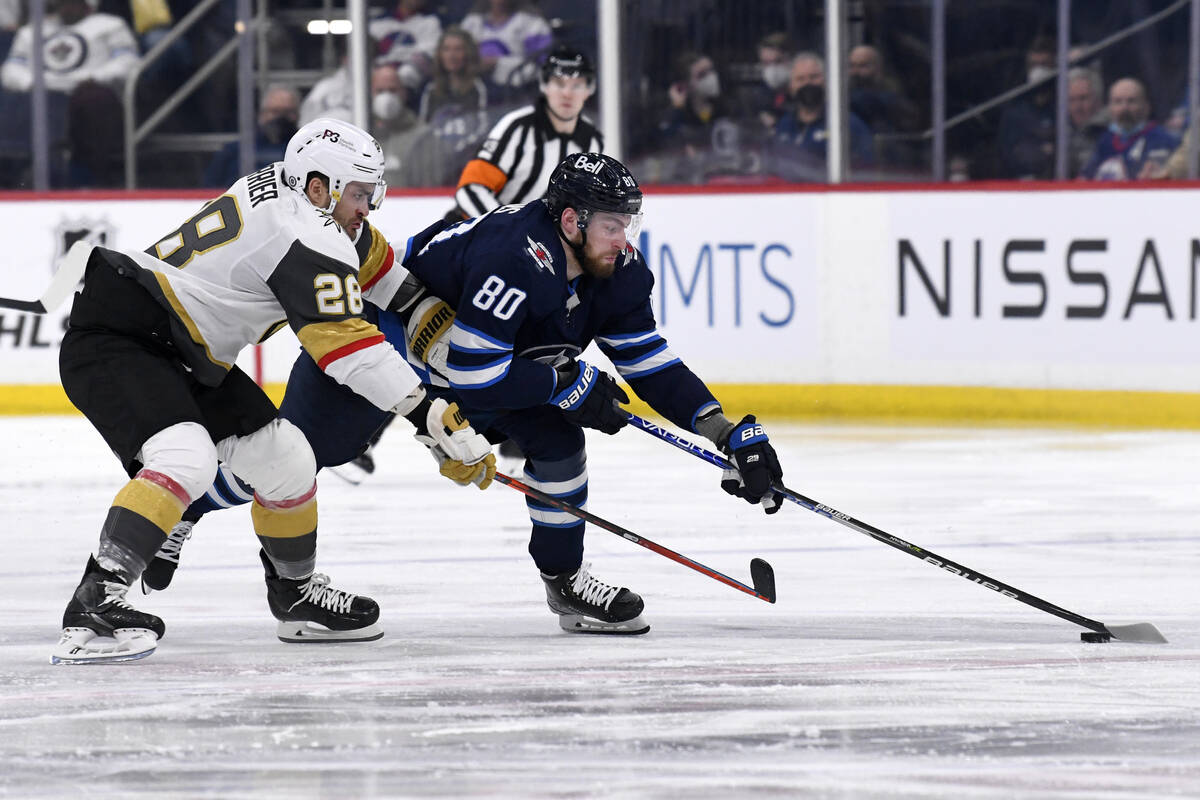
(149,357)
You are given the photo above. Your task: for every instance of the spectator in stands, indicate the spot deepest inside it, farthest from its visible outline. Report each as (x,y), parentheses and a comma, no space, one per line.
(696,103)
(877,99)
(456,90)
(875,96)
(396,127)
(700,136)
(1026,135)
(799,147)
(1135,146)
(406,40)
(329,96)
(453,106)
(80,46)
(767,96)
(10,20)
(511,38)
(87,56)
(1086,115)
(278,115)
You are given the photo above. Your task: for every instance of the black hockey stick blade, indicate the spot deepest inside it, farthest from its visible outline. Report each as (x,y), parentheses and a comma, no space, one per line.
(1139,632)
(32,306)
(763,577)
(62,285)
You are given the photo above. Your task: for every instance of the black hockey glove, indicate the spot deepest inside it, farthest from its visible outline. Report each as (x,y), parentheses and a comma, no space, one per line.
(757,466)
(590,397)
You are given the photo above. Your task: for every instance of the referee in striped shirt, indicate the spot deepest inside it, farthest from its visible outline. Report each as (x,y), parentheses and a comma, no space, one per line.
(513,167)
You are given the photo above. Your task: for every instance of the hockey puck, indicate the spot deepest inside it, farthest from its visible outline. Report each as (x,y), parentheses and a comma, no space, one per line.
(1095,637)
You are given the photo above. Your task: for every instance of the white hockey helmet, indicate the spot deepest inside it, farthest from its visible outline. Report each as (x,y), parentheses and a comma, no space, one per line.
(339,151)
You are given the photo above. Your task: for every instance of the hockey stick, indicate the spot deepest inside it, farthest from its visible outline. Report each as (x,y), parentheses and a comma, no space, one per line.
(760,571)
(62,285)
(1142,632)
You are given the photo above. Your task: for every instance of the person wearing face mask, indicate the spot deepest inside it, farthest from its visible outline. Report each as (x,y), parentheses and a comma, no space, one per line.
(766,96)
(696,104)
(277,116)
(1134,144)
(798,148)
(397,128)
(1025,138)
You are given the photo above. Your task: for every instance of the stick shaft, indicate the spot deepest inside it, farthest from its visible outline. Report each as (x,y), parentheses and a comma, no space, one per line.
(879,535)
(611,527)
(61,286)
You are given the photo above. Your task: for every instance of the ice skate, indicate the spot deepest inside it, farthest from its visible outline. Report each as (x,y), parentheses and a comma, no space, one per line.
(158,573)
(311,611)
(587,605)
(99,626)
(356,470)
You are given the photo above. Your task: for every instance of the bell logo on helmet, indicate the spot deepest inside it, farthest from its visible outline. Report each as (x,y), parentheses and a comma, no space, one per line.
(584,163)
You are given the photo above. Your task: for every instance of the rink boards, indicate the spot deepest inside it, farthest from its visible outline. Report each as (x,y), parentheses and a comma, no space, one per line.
(1041,303)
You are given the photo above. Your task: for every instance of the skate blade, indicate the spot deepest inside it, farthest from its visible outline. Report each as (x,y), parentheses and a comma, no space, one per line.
(312,633)
(576,623)
(85,646)
(350,473)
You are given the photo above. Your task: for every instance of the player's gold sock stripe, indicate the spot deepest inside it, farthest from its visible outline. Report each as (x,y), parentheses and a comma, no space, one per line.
(151,501)
(284,523)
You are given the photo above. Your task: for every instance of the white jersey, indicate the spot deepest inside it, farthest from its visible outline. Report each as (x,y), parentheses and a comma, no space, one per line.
(329,98)
(99,47)
(403,40)
(261,256)
(514,43)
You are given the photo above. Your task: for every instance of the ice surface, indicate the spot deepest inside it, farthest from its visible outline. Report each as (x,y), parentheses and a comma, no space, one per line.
(875,675)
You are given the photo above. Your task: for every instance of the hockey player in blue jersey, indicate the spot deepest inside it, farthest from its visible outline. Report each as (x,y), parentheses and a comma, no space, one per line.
(532,286)
(515,296)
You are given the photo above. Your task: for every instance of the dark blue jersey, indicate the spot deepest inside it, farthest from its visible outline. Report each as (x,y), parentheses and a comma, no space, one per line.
(505,275)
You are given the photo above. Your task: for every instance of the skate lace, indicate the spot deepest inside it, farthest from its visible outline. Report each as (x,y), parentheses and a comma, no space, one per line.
(591,590)
(114,594)
(171,548)
(318,592)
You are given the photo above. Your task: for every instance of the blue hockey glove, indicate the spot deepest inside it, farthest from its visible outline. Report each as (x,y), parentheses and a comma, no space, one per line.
(590,397)
(757,466)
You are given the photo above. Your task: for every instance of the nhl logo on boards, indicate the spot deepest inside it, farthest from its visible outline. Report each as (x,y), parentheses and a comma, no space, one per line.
(94,231)
(540,255)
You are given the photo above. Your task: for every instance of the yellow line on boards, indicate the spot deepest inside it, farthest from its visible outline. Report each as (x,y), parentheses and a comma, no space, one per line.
(846,402)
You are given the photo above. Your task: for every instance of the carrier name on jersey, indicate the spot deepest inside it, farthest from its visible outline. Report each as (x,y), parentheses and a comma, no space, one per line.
(262,186)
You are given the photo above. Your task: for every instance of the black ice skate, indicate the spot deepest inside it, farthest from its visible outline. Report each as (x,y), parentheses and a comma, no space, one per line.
(158,573)
(99,626)
(312,611)
(511,456)
(587,605)
(357,469)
